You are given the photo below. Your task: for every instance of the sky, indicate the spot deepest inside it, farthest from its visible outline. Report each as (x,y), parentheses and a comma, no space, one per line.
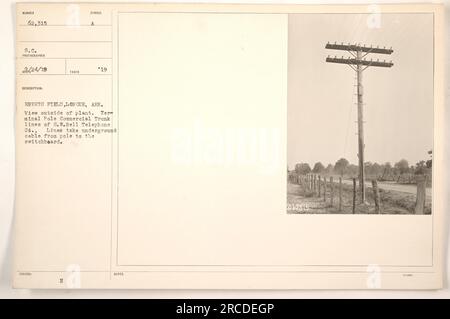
(398,110)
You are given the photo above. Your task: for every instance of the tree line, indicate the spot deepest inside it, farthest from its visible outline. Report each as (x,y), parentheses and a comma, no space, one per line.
(344,167)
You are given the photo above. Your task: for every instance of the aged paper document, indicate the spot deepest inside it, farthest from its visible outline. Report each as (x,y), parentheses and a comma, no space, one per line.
(229,146)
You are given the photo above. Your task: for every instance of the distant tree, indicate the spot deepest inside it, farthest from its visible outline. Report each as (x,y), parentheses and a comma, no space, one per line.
(330,169)
(352,170)
(421,168)
(377,169)
(387,170)
(340,166)
(318,167)
(373,169)
(429,162)
(402,166)
(302,168)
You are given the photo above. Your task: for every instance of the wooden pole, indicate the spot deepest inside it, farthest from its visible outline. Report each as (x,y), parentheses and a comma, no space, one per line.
(421,194)
(331,190)
(376,196)
(359,63)
(314,183)
(340,193)
(354,195)
(324,189)
(359,90)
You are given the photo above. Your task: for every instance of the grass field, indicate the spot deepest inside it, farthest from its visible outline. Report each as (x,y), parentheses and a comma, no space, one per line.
(301,200)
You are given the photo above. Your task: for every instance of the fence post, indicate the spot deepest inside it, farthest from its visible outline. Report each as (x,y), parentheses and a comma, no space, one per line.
(376,196)
(331,190)
(318,183)
(324,189)
(340,193)
(421,194)
(354,195)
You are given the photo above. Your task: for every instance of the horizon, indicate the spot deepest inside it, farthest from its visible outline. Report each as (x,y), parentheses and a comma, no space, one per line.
(355,163)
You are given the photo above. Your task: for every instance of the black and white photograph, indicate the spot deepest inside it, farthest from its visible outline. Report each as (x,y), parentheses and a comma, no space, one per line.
(234,150)
(360,113)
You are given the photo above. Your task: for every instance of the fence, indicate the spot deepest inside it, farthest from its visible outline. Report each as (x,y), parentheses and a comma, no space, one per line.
(325,187)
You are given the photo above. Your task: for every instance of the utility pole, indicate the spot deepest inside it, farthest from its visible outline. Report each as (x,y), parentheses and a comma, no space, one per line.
(359,63)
